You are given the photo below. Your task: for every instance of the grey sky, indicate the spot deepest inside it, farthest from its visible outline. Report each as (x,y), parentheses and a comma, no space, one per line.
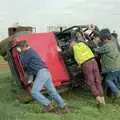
(40,13)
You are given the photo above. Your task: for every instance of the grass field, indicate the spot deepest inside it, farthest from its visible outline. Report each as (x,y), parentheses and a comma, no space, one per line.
(82,103)
(1,59)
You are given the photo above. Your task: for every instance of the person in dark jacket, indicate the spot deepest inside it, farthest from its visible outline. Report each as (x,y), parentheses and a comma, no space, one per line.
(34,65)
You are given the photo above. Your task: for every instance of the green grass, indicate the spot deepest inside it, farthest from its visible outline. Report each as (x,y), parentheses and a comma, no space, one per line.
(83,104)
(1,59)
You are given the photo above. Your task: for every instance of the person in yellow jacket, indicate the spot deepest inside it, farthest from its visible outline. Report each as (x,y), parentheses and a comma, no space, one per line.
(86,59)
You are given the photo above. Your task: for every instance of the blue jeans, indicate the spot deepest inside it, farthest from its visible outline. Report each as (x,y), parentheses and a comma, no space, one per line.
(43,79)
(112,80)
(117,82)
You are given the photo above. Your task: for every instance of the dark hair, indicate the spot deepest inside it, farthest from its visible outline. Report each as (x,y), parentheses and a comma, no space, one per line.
(105,34)
(22,43)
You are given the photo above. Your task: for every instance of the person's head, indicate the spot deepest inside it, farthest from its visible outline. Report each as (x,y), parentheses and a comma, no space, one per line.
(22,46)
(79,36)
(105,35)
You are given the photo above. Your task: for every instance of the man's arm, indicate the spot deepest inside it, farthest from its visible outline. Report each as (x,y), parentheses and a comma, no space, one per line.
(102,50)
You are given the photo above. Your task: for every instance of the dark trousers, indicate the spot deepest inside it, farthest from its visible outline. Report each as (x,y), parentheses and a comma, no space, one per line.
(92,76)
(112,81)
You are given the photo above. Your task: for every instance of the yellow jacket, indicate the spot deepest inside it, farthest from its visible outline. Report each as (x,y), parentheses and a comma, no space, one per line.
(82,52)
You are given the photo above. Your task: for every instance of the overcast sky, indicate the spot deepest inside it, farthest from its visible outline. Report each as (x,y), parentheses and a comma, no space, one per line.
(41,13)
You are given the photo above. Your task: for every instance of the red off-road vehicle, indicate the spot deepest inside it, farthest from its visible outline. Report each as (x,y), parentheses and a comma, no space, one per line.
(64,70)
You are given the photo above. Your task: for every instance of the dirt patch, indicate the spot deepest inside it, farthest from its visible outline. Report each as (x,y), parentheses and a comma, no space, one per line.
(3,64)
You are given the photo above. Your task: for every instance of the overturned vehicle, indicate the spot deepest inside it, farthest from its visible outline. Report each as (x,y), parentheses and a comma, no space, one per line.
(53,48)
